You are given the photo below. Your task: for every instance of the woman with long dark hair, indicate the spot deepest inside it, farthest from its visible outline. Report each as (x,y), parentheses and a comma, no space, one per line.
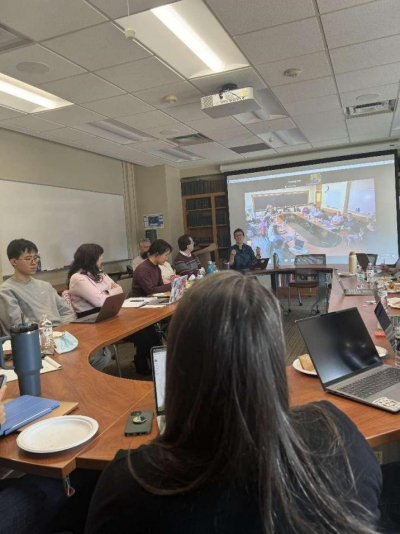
(234,457)
(88,285)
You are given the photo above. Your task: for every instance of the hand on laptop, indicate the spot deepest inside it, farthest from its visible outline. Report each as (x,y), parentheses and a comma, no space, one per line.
(2,410)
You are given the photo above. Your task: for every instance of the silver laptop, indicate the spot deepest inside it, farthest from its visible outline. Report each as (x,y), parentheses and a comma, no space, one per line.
(177,289)
(386,323)
(110,308)
(347,362)
(159,367)
(353,291)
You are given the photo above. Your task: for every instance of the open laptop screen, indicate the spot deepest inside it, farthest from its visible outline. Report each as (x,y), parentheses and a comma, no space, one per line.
(299,243)
(159,361)
(339,344)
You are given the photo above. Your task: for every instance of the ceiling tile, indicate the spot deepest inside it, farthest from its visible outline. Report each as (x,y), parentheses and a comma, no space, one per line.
(268,152)
(324,125)
(313,105)
(82,88)
(184,91)
(190,112)
(119,106)
(213,151)
(58,67)
(98,143)
(151,119)
(227,133)
(8,113)
(147,160)
(244,140)
(293,148)
(242,78)
(208,125)
(141,74)
(377,126)
(97,47)
(241,16)
(286,41)
(362,79)
(386,92)
(71,116)
(42,19)
(313,66)
(331,142)
(32,122)
(365,55)
(295,92)
(68,134)
(118,8)
(174,130)
(325,6)
(364,22)
(147,146)
(271,126)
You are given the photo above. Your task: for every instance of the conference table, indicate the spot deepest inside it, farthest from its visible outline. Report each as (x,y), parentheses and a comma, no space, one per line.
(110,399)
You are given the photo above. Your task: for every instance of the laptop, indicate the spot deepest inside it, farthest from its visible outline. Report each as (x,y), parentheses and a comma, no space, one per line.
(159,367)
(110,308)
(388,324)
(347,362)
(177,289)
(261,263)
(298,247)
(353,291)
(363,260)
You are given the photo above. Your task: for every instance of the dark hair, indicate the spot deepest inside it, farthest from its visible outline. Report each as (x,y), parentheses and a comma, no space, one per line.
(228,418)
(183,242)
(238,230)
(158,247)
(18,247)
(85,259)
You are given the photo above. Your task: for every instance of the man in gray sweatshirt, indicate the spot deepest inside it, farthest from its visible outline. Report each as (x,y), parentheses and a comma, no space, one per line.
(23,294)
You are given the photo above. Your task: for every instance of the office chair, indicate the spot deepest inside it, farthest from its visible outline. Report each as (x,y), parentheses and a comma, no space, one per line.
(308,278)
(372,258)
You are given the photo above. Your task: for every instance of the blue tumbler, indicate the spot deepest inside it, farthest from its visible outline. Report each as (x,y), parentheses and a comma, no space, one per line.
(26,355)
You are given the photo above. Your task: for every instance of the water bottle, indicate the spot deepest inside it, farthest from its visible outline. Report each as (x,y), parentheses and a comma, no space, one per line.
(382,293)
(46,335)
(370,274)
(397,345)
(210,268)
(360,277)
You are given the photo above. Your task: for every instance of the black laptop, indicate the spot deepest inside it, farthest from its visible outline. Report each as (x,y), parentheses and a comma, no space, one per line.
(110,308)
(347,362)
(261,263)
(363,260)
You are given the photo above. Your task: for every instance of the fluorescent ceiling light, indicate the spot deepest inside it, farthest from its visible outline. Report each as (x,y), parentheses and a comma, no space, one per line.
(27,98)
(115,131)
(176,154)
(208,48)
(178,26)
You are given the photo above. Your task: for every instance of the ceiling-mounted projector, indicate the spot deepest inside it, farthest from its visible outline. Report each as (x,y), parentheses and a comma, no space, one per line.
(230,101)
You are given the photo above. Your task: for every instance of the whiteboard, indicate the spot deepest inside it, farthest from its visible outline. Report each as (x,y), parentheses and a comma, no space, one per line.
(58,220)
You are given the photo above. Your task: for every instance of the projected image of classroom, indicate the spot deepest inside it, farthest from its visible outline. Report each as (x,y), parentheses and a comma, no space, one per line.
(328,208)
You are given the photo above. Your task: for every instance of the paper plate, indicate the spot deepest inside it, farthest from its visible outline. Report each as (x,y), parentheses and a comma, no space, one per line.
(394,303)
(297,365)
(381,351)
(57,434)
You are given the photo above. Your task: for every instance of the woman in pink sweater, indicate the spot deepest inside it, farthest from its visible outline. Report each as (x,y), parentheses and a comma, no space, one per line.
(88,285)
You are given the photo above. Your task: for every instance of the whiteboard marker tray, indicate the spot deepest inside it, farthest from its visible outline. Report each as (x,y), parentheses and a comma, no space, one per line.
(57,434)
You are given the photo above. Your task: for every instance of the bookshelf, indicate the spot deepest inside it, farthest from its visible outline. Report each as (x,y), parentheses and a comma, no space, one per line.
(205,216)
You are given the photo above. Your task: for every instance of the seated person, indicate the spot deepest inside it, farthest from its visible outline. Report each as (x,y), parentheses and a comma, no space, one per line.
(147,277)
(144,245)
(337,220)
(241,255)
(186,262)
(234,457)
(315,213)
(22,294)
(306,210)
(391,269)
(88,285)
(349,222)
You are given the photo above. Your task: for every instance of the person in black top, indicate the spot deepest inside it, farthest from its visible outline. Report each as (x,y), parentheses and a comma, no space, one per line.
(241,256)
(234,458)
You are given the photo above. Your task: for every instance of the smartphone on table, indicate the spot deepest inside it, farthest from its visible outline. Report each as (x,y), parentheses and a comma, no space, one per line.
(139,423)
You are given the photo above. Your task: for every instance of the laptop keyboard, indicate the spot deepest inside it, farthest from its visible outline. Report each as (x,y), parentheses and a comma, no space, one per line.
(359,291)
(87,319)
(365,387)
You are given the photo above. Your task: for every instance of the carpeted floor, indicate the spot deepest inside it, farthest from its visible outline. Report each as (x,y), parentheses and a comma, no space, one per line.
(294,343)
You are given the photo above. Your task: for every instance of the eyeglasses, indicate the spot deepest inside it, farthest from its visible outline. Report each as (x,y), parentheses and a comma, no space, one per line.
(30,259)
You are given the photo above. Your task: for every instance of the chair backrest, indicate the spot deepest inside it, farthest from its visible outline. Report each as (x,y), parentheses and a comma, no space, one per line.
(310,259)
(66,295)
(372,258)
(129,269)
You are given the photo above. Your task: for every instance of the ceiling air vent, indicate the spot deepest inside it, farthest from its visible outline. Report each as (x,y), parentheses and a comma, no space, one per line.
(194,139)
(250,148)
(373,108)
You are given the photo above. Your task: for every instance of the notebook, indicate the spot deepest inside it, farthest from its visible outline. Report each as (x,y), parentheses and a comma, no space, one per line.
(110,308)
(347,362)
(23,410)
(48,365)
(159,366)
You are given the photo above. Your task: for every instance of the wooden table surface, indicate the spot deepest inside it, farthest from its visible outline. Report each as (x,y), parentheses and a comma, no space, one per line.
(110,399)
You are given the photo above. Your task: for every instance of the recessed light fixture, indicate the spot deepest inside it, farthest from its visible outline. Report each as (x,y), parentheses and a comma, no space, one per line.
(176,154)
(27,98)
(292,73)
(170,99)
(208,48)
(33,67)
(169,132)
(115,131)
(369,97)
